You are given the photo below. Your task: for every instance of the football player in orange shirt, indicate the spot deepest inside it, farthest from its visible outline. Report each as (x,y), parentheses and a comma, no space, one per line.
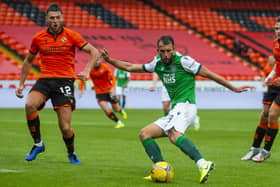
(268,98)
(56,46)
(104,86)
(268,125)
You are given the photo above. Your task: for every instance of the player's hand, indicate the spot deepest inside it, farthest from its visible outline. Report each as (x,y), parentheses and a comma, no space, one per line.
(19,91)
(267,81)
(105,55)
(242,88)
(275,82)
(83,75)
(152,88)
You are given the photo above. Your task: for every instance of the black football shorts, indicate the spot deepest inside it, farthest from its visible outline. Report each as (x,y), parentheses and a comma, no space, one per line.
(59,90)
(272,94)
(106,97)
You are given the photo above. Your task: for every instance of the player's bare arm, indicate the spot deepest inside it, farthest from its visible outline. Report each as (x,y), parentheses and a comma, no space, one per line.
(27,64)
(204,72)
(94,56)
(127,66)
(269,79)
(154,82)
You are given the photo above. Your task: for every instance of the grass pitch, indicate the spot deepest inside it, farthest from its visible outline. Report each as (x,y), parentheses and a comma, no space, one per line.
(115,157)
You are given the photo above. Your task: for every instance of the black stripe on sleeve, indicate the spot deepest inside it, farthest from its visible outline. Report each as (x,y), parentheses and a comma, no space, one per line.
(32,53)
(143,67)
(200,66)
(83,46)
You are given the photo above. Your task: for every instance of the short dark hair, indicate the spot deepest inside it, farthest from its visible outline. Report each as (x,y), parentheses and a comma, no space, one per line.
(54,7)
(166,39)
(278,19)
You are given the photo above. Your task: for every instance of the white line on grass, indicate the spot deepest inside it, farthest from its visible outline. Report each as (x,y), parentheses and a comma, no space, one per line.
(3,170)
(75,123)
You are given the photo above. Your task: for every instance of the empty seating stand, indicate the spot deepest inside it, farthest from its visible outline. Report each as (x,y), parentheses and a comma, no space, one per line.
(217,19)
(214,19)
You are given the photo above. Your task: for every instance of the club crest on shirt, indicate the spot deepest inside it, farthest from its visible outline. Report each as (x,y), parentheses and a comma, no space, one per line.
(173,68)
(63,39)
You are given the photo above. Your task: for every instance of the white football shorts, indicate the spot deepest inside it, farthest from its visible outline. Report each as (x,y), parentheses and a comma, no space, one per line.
(121,90)
(180,118)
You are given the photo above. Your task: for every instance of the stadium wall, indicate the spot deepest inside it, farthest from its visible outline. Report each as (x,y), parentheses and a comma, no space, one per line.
(209,95)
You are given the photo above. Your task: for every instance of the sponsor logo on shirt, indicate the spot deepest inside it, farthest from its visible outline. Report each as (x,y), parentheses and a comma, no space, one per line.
(169,78)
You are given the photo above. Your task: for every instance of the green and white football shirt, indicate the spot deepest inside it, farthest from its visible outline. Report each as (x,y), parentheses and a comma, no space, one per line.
(122,77)
(178,77)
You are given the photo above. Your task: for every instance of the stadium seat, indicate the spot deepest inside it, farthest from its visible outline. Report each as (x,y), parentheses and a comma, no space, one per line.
(192,16)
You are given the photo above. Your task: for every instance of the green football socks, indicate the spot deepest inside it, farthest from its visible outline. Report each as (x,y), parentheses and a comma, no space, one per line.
(152,149)
(188,148)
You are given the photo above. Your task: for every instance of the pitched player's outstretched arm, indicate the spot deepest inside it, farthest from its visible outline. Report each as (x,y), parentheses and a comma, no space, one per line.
(204,72)
(127,66)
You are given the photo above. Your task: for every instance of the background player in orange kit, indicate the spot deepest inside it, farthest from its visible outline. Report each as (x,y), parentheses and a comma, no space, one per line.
(104,86)
(268,97)
(56,46)
(268,126)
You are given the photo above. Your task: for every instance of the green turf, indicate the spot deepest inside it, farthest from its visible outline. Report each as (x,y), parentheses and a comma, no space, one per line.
(115,157)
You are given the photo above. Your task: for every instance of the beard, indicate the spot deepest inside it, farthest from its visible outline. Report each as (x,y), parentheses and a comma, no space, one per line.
(166,61)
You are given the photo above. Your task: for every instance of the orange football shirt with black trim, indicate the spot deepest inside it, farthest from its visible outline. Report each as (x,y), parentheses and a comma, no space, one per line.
(81,84)
(276,53)
(103,79)
(267,69)
(57,53)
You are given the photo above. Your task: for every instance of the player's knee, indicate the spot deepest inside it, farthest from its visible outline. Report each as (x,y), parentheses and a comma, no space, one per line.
(173,135)
(273,116)
(264,115)
(30,106)
(66,131)
(143,135)
(264,119)
(117,109)
(172,138)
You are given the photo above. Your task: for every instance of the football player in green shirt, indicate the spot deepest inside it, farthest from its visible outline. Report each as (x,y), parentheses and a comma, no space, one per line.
(177,73)
(165,100)
(121,88)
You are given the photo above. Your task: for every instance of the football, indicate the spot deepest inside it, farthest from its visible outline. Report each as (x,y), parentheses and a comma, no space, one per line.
(162,172)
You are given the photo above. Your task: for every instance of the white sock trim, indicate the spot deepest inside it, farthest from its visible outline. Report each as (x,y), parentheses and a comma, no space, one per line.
(40,144)
(200,162)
